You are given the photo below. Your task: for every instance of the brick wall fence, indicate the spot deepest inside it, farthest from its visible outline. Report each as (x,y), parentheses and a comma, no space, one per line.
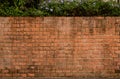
(59,46)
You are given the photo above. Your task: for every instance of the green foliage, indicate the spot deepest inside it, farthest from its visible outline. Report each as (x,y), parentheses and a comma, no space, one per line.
(34,12)
(58,8)
(98,8)
(10,11)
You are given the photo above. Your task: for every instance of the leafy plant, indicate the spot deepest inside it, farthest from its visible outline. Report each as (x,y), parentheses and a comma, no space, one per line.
(97,8)
(59,8)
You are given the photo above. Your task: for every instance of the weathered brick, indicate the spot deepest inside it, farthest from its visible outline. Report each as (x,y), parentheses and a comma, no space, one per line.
(59,46)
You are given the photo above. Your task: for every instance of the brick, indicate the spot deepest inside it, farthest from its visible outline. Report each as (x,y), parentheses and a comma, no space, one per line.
(30,75)
(23,75)
(59,46)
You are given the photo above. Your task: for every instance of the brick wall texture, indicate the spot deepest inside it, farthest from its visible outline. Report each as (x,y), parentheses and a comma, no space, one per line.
(59,46)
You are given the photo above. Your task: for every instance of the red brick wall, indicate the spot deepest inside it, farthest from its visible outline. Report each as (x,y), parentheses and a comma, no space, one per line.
(60,46)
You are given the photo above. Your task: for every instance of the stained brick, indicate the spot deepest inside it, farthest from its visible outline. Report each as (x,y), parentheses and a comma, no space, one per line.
(59,46)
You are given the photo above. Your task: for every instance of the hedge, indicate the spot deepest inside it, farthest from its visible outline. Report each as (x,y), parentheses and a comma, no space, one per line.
(58,8)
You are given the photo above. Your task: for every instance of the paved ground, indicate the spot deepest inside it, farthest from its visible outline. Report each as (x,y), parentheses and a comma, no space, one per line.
(51,78)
